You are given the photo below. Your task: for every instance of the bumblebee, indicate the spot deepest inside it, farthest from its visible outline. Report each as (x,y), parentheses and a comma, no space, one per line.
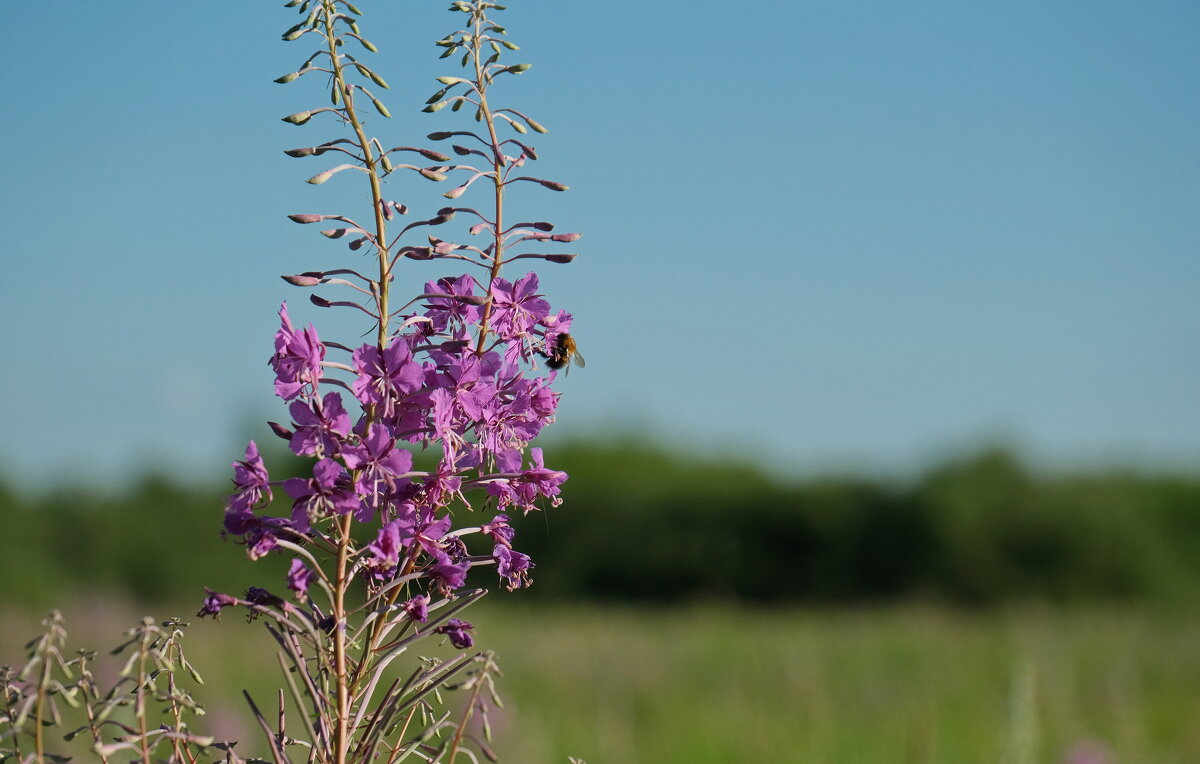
(563,353)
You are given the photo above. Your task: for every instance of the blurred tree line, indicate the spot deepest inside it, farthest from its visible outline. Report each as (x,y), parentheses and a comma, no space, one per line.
(639,524)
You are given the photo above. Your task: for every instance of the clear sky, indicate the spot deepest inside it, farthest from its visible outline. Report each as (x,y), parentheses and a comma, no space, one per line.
(818,234)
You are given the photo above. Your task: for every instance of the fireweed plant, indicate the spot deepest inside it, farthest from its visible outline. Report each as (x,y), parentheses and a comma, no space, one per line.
(379,550)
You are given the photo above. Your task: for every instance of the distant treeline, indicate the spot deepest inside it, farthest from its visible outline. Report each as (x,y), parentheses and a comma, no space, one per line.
(639,524)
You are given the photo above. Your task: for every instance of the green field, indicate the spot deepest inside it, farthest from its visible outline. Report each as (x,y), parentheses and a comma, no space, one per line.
(730,684)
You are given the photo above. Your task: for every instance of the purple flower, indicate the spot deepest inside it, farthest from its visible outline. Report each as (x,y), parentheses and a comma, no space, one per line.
(388,546)
(297,359)
(513,567)
(499,529)
(380,465)
(449,572)
(214,602)
(383,376)
(298,578)
(418,608)
(327,491)
(524,488)
(446,311)
(321,425)
(252,481)
(517,308)
(457,631)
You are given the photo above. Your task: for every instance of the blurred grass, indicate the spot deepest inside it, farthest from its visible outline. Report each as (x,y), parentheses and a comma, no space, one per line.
(719,684)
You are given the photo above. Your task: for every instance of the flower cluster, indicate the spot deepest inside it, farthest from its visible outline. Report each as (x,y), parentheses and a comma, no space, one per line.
(432,387)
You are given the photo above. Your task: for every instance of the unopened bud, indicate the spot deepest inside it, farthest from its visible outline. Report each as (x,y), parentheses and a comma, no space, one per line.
(301,280)
(434,176)
(304,152)
(553,185)
(439,136)
(434,155)
(285,79)
(306,218)
(280,430)
(566,237)
(320,302)
(565,258)
(299,118)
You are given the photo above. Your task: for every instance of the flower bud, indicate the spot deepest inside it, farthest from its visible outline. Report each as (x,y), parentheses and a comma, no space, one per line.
(320,302)
(434,176)
(439,136)
(562,258)
(299,118)
(554,185)
(301,280)
(306,218)
(304,152)
(285,79)
(280,430)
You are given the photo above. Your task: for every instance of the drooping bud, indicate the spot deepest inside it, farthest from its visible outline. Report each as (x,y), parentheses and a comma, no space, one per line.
(518,68)
(285,79)
(299,118)
(379,107)
(301,280)
(280,430)
(565,258)
(304,152)
(454,193)
(434,155)
(439,136)
(431,175)
(554,185)
(566,237)
(320,302)
(535,126)
(306,218)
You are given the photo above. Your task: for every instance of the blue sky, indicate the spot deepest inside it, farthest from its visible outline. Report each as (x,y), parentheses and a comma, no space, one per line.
(819,235)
